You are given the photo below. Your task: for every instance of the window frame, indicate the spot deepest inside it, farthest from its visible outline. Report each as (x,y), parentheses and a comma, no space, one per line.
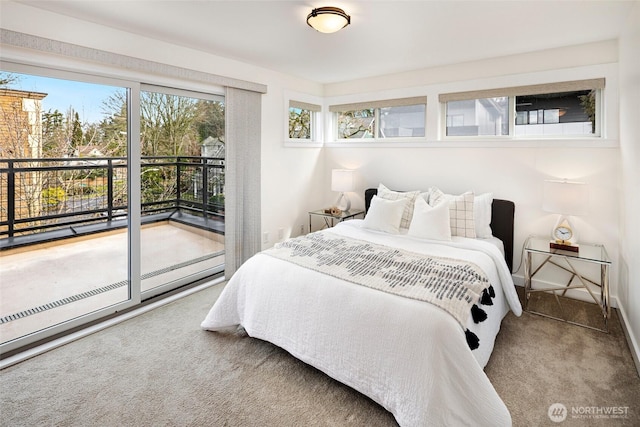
(377,105)
(597,84)
(133,82)
(316,108)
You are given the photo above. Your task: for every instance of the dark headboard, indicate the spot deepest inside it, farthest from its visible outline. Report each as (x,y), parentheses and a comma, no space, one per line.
(502,215)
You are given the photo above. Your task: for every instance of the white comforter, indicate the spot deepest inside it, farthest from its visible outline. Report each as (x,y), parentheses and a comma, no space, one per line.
(409,356)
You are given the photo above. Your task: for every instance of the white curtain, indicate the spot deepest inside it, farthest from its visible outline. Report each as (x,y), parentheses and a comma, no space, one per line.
(242,177)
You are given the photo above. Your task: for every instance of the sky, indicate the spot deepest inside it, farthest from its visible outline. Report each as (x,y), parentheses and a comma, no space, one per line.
(85,98)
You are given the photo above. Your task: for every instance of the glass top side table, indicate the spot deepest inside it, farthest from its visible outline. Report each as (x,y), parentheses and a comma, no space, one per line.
(329,219)
(567,260)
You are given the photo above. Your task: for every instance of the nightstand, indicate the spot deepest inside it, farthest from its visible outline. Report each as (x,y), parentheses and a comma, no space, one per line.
(590,254)
(331,220)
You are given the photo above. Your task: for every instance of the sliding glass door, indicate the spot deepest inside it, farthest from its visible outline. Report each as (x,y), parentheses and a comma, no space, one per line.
(109,195)
(182,187)
(64,180)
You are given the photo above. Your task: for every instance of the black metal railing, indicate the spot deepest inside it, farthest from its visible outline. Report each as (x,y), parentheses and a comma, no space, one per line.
(39,195)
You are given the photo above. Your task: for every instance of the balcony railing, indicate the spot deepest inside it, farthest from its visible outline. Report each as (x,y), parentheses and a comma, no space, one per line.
(51,198)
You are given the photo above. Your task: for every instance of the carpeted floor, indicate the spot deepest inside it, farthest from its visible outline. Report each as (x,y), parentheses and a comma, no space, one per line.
(160,368)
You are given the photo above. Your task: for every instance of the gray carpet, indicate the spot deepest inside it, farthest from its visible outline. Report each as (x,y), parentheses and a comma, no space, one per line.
(161,369)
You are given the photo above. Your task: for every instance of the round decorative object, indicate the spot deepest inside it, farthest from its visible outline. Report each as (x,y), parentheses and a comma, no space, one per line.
(563,232)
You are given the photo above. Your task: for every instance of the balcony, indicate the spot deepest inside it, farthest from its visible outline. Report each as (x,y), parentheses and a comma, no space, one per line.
(64,235)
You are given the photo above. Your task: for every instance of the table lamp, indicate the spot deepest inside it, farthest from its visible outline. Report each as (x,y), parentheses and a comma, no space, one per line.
(567,199)
(342,180)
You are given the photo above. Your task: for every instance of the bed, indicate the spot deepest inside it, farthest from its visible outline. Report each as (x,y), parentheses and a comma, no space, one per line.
(412,357)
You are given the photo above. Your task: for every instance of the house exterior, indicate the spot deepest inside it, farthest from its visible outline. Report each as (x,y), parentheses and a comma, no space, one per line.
(87,151)
(21,138)
(21,130)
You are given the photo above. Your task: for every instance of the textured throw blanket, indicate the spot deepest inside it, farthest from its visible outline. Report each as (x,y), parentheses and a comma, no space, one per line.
(455,286)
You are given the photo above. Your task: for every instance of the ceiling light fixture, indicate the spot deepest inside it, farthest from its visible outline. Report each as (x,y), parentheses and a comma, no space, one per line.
(328,19)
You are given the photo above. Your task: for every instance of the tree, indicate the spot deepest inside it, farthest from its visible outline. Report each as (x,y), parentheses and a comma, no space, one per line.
(7,79)
(588,104)
(357,123)
(210,119)
(111,132)
(299,123)
(76,131)
(53,134)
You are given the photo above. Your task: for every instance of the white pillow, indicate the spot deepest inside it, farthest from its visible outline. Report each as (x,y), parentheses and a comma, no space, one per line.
(460,211)
(385,215)
(385,193)
(430,222)
(482,215)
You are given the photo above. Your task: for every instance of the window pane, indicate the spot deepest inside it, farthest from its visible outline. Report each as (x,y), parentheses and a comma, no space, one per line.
(300,123)
(356,124)
(563,113)
(475,117)
(63,179)
(406,121)
(182,177)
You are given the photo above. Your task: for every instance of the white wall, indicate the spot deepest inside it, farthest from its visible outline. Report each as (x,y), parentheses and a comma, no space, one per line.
(629,265)
(513,170)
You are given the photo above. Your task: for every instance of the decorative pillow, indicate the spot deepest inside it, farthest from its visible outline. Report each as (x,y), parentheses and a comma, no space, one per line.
(425,195)
(387,194)
(435,196)
(460,211)
(482,215)
(385,215)
(430,222)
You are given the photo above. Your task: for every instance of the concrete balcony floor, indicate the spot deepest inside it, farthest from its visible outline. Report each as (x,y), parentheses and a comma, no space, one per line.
(44,285)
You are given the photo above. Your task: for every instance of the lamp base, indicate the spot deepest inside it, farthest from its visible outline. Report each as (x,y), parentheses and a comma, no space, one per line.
(564,246)
(343,203)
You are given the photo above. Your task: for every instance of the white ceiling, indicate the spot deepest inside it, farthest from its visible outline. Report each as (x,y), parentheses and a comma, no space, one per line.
(384,36)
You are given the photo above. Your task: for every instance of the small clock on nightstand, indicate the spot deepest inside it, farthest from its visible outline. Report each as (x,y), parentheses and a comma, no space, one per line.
(563,235)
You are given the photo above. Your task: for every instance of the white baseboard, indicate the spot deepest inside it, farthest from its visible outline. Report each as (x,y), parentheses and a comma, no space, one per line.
(631,341)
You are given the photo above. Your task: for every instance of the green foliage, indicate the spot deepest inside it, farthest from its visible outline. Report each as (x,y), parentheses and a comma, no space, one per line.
(158,184)
(218,199)
(76,131)
(588,104)
(53,197)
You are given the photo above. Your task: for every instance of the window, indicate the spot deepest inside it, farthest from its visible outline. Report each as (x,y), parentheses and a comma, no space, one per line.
(303,118)
(356,124)
(547,110)
(402,121)
(395,118)
(475,117)
(562,113)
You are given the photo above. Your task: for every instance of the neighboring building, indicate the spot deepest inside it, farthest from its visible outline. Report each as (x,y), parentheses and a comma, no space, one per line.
(20,138)
(87,151)
(212,147)
(20,124)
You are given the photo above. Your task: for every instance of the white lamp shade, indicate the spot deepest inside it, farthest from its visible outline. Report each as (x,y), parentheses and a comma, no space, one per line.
(566,198)
(342,180)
